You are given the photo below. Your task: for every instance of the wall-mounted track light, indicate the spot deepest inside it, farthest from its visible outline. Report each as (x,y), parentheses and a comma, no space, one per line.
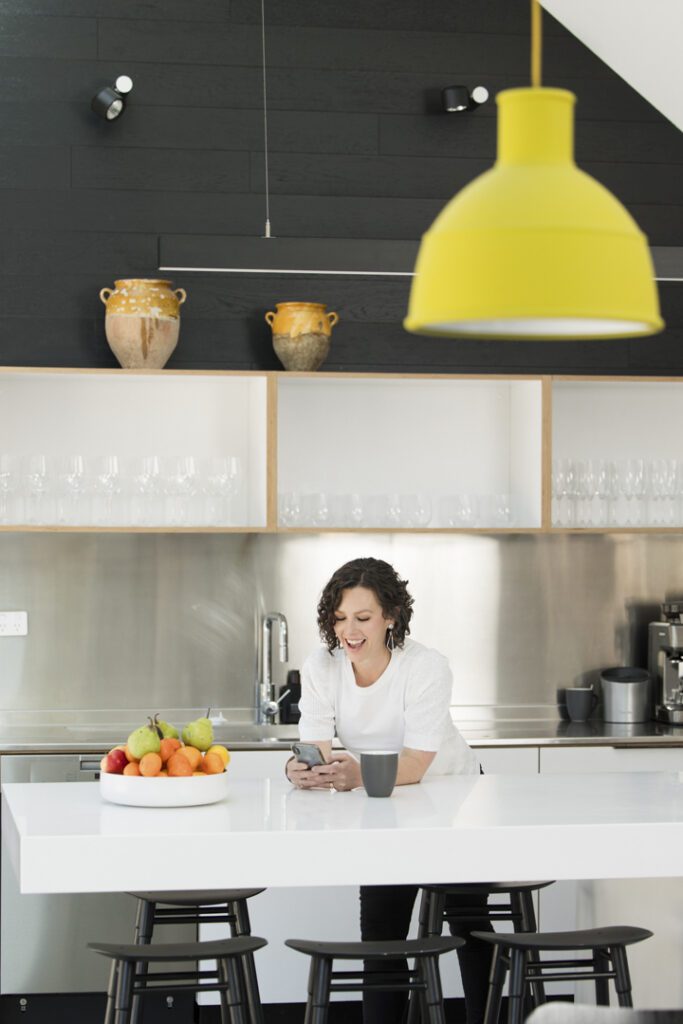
(457,99)
(110,102)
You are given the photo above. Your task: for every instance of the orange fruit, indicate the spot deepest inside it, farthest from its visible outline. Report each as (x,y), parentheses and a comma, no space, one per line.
(193,755)
(198,773)
(129,755)
(222,752)
(178,765)
(213,764)
(150,764)
(132,769)
(167,748)
(162,772)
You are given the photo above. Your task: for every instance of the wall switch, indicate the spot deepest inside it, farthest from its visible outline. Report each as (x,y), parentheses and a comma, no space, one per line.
(13,623)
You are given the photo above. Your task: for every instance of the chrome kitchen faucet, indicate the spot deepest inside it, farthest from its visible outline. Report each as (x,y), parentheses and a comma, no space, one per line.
(266,705)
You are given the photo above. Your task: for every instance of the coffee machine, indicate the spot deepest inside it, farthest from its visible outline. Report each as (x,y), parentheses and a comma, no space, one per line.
(665,663)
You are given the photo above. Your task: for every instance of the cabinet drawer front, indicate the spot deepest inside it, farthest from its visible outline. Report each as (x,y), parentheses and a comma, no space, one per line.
(611,759)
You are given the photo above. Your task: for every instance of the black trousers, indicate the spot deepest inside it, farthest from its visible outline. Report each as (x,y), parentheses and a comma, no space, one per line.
(385,912)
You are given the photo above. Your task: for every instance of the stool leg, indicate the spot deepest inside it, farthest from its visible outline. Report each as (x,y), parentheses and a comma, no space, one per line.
(496,982)
(124,992)
(622,982)
(602,963)
(522,904)
(320,996)
(242,926)
(516,989)
(144,927)
(430,922)
(111,992)
(230,972)
(436,1013)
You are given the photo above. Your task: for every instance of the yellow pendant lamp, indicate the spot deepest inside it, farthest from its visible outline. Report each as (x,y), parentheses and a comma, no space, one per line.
(534,248)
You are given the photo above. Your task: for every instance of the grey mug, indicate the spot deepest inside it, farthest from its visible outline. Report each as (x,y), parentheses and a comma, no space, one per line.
(581,702)
(378,769)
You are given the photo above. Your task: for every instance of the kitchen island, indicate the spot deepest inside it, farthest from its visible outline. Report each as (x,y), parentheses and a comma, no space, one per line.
(65,838)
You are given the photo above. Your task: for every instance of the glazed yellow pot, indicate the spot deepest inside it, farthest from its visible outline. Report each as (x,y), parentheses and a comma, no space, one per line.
(301,334)
(142,321)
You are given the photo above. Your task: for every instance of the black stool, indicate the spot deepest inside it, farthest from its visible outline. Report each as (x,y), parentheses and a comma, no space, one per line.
(423,979)
(515,902)
(608,960)
(518,905)
(199,906)
(127,983)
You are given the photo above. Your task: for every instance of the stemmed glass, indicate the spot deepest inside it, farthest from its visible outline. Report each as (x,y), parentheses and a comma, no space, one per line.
(71,491)
(146,491)
(607,491)
(37,489)
(179,485)
(586,485)
(9,484)
(632,484)
(106,489)
(222,484)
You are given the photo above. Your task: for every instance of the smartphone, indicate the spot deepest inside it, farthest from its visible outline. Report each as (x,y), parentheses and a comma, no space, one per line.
(308,753)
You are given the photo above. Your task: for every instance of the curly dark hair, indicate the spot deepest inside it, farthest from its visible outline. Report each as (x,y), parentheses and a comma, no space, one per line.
(378,576)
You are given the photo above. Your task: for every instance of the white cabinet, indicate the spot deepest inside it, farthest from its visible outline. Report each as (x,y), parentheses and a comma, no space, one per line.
(656,904)
(132,450)
(508,760)
(417,452)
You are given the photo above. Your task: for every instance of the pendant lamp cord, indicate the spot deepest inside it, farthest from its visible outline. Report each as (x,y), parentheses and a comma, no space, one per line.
(535,44)
(265,116)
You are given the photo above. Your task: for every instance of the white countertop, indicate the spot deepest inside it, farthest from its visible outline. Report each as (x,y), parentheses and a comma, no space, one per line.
(63,838)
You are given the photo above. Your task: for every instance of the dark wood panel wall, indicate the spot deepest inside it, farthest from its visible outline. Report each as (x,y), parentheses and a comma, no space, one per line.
(358,149)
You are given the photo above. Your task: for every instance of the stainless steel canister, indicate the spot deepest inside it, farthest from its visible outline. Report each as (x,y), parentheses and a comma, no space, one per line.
(626,695)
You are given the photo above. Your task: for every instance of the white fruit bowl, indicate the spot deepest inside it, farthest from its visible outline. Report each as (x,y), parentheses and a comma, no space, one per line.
(137,791)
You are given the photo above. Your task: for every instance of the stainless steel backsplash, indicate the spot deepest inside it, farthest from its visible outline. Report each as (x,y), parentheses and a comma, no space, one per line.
(147,621)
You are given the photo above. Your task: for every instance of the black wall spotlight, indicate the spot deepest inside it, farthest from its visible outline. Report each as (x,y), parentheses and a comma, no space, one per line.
(110,102)
(458,98)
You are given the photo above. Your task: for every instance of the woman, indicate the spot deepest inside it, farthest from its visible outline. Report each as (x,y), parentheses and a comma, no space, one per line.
(380,691)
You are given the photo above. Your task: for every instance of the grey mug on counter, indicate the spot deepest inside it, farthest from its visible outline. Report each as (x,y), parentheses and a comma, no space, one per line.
(378,769)
(581,702)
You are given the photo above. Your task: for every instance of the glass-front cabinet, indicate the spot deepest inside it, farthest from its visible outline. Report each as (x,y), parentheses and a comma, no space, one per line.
(132,451)
(396,453)
(280,452)
(616,454)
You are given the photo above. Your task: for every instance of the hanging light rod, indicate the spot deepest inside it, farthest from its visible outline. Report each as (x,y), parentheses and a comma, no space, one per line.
(364,257)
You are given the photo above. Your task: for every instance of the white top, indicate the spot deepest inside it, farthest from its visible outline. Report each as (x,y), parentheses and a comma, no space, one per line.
(408,706)
(62,837)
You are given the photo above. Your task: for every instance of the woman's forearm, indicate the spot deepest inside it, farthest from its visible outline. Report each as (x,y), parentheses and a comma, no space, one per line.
(412,764)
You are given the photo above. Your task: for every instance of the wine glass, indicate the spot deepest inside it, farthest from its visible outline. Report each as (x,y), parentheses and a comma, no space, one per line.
(38,488)
(632,484)
(106,484)
(9,485)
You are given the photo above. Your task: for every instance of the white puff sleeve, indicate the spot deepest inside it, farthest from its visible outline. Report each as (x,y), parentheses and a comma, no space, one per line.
(427,703)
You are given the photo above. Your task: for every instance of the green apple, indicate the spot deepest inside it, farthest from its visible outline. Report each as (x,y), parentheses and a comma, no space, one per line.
(144,740)
(198,734)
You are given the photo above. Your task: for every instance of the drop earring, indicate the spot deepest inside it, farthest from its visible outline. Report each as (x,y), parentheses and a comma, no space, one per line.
(390,638)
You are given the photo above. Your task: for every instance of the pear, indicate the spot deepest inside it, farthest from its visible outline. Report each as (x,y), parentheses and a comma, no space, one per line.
(198,734)
(168,731)
(144,740)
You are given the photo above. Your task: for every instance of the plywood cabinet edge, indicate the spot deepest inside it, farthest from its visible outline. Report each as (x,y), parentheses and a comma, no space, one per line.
(271,452)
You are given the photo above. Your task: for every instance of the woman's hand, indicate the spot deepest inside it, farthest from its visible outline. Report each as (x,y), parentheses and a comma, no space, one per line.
(343,773)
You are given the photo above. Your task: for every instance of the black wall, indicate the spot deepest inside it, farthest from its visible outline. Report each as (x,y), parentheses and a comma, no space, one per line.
(357,149)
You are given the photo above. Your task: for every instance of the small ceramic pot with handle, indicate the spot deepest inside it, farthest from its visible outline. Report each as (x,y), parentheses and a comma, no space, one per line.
(301,334)
(142,321)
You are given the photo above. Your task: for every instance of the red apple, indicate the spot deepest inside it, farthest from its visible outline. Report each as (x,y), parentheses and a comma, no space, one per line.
(114,762)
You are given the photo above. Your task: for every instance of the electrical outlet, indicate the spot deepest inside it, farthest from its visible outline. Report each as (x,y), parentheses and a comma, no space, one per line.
(13,623)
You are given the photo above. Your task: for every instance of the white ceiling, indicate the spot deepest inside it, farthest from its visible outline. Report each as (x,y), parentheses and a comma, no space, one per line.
(639,39)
